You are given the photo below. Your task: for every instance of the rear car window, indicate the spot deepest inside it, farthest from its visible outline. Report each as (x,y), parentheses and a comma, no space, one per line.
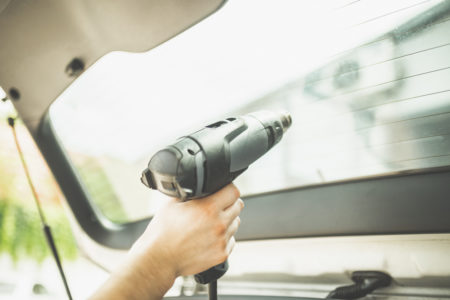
(366,83)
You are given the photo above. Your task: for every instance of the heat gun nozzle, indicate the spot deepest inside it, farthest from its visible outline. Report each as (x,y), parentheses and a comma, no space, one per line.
(286,121)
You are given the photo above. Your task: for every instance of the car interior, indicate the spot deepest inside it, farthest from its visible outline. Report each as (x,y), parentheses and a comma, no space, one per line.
(357,192)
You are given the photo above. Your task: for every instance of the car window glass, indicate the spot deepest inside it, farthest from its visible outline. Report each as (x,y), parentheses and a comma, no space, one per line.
(366,83)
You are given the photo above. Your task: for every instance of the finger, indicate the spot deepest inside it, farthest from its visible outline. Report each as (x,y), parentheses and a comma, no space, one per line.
(233,211)
(230,245)
(225,197)
(232,229)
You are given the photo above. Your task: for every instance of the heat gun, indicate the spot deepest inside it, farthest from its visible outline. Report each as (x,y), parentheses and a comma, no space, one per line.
(203,162)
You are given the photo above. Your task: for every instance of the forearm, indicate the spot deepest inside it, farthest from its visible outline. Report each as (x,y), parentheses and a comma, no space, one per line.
(144,276)
(183,238)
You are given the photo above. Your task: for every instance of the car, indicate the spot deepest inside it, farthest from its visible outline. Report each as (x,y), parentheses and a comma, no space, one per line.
(356,192)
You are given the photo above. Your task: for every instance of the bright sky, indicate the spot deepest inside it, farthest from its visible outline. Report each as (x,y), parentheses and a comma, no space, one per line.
(127,105)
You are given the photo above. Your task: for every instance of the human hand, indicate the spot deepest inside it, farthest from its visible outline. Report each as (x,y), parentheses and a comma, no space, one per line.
(190,237)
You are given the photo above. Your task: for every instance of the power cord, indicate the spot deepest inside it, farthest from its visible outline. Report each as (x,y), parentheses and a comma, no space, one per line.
(212,290)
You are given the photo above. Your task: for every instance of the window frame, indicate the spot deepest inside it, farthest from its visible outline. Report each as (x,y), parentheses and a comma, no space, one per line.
(400,203)
(393,204)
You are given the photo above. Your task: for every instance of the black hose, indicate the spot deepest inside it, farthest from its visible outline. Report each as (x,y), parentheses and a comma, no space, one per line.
(365,283)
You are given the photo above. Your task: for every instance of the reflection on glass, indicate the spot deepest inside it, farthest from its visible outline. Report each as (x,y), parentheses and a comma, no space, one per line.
(366,85)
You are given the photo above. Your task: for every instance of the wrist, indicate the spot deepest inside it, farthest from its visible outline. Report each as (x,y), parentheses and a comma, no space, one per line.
(153,264)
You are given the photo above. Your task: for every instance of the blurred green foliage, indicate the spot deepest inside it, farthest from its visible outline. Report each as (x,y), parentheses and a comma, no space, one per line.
(21,233)
(100,189)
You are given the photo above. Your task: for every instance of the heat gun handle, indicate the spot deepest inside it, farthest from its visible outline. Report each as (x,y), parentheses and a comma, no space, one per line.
(212,274)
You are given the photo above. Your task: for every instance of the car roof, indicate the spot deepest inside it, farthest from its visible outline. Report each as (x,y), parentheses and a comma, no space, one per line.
(64,38)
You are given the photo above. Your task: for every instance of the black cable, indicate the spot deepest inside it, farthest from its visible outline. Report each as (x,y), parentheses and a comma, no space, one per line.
(212,290)
(45,227)
(365,282)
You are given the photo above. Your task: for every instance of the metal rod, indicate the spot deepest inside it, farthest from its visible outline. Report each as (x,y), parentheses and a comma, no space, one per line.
(45,227)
